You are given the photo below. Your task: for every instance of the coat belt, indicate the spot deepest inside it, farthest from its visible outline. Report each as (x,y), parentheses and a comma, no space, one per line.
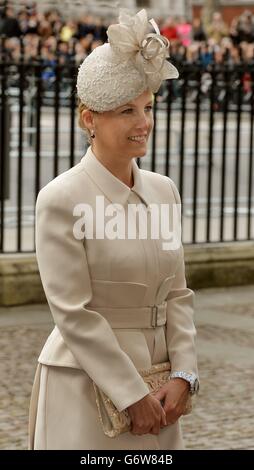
(135,317)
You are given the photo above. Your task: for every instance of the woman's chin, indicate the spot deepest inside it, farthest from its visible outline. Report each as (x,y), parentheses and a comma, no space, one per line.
(140,151)
(142,154)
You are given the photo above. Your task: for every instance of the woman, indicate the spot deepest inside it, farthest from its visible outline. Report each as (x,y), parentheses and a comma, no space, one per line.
(119,300)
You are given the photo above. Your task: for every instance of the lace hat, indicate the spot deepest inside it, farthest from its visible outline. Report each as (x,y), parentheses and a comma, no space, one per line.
(132,61)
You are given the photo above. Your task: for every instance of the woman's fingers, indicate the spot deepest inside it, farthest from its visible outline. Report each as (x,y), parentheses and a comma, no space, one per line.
(164,417)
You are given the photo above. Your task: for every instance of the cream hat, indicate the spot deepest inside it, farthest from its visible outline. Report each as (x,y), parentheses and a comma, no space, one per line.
(132,61)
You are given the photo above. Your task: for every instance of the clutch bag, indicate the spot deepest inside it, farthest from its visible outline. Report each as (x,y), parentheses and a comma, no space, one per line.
(116,422)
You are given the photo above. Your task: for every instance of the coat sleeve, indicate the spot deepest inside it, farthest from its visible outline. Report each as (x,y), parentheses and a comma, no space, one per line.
(181,331)
(64,272)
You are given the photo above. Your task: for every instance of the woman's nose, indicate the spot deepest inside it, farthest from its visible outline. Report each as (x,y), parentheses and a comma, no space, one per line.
(143,120)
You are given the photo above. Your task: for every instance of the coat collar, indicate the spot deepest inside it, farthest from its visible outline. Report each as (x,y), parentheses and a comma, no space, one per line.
(114,189)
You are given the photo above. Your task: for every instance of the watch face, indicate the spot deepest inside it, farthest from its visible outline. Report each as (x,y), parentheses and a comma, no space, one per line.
(196,386)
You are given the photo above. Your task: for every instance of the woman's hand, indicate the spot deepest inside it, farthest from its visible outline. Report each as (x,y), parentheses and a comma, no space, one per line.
(147,416)
(174,396)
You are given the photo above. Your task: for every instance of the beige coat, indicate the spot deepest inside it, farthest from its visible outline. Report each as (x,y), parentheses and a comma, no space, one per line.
(100,293)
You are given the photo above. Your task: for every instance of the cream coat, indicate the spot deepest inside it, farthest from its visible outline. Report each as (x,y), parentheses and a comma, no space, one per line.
(94,287)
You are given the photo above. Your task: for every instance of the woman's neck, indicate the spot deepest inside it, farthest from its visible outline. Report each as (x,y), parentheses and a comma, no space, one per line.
(122,171)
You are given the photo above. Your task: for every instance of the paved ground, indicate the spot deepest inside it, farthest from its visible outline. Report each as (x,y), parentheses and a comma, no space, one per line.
(223,417)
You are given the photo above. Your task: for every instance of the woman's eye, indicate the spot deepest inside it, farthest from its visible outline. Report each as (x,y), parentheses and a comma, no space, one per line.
(149,108)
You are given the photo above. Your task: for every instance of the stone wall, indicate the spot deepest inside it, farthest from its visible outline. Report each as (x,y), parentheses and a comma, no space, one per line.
(211,265)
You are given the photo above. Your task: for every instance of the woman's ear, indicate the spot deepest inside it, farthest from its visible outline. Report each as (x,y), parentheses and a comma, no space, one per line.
(87,119)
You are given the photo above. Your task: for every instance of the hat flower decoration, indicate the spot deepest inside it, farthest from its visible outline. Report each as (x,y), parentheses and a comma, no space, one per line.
(134,59)
(130,39)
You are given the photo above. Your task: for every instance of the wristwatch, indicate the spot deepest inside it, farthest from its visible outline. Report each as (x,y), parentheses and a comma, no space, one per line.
(190,378)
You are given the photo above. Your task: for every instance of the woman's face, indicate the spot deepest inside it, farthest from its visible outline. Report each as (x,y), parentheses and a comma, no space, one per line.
(125,130)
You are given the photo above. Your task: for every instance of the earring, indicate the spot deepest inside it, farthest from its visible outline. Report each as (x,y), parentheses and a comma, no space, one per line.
(92,134)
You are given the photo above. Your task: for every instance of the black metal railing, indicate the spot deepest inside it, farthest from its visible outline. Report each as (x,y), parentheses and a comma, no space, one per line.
(202,139)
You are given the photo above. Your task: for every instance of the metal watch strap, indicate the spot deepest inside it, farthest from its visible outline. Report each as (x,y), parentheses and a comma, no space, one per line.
(190,378)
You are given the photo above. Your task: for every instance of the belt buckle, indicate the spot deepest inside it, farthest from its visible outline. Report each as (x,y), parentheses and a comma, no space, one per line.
(154,315)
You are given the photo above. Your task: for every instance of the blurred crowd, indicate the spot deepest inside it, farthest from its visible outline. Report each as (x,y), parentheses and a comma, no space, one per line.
(74,38)
(215,42)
